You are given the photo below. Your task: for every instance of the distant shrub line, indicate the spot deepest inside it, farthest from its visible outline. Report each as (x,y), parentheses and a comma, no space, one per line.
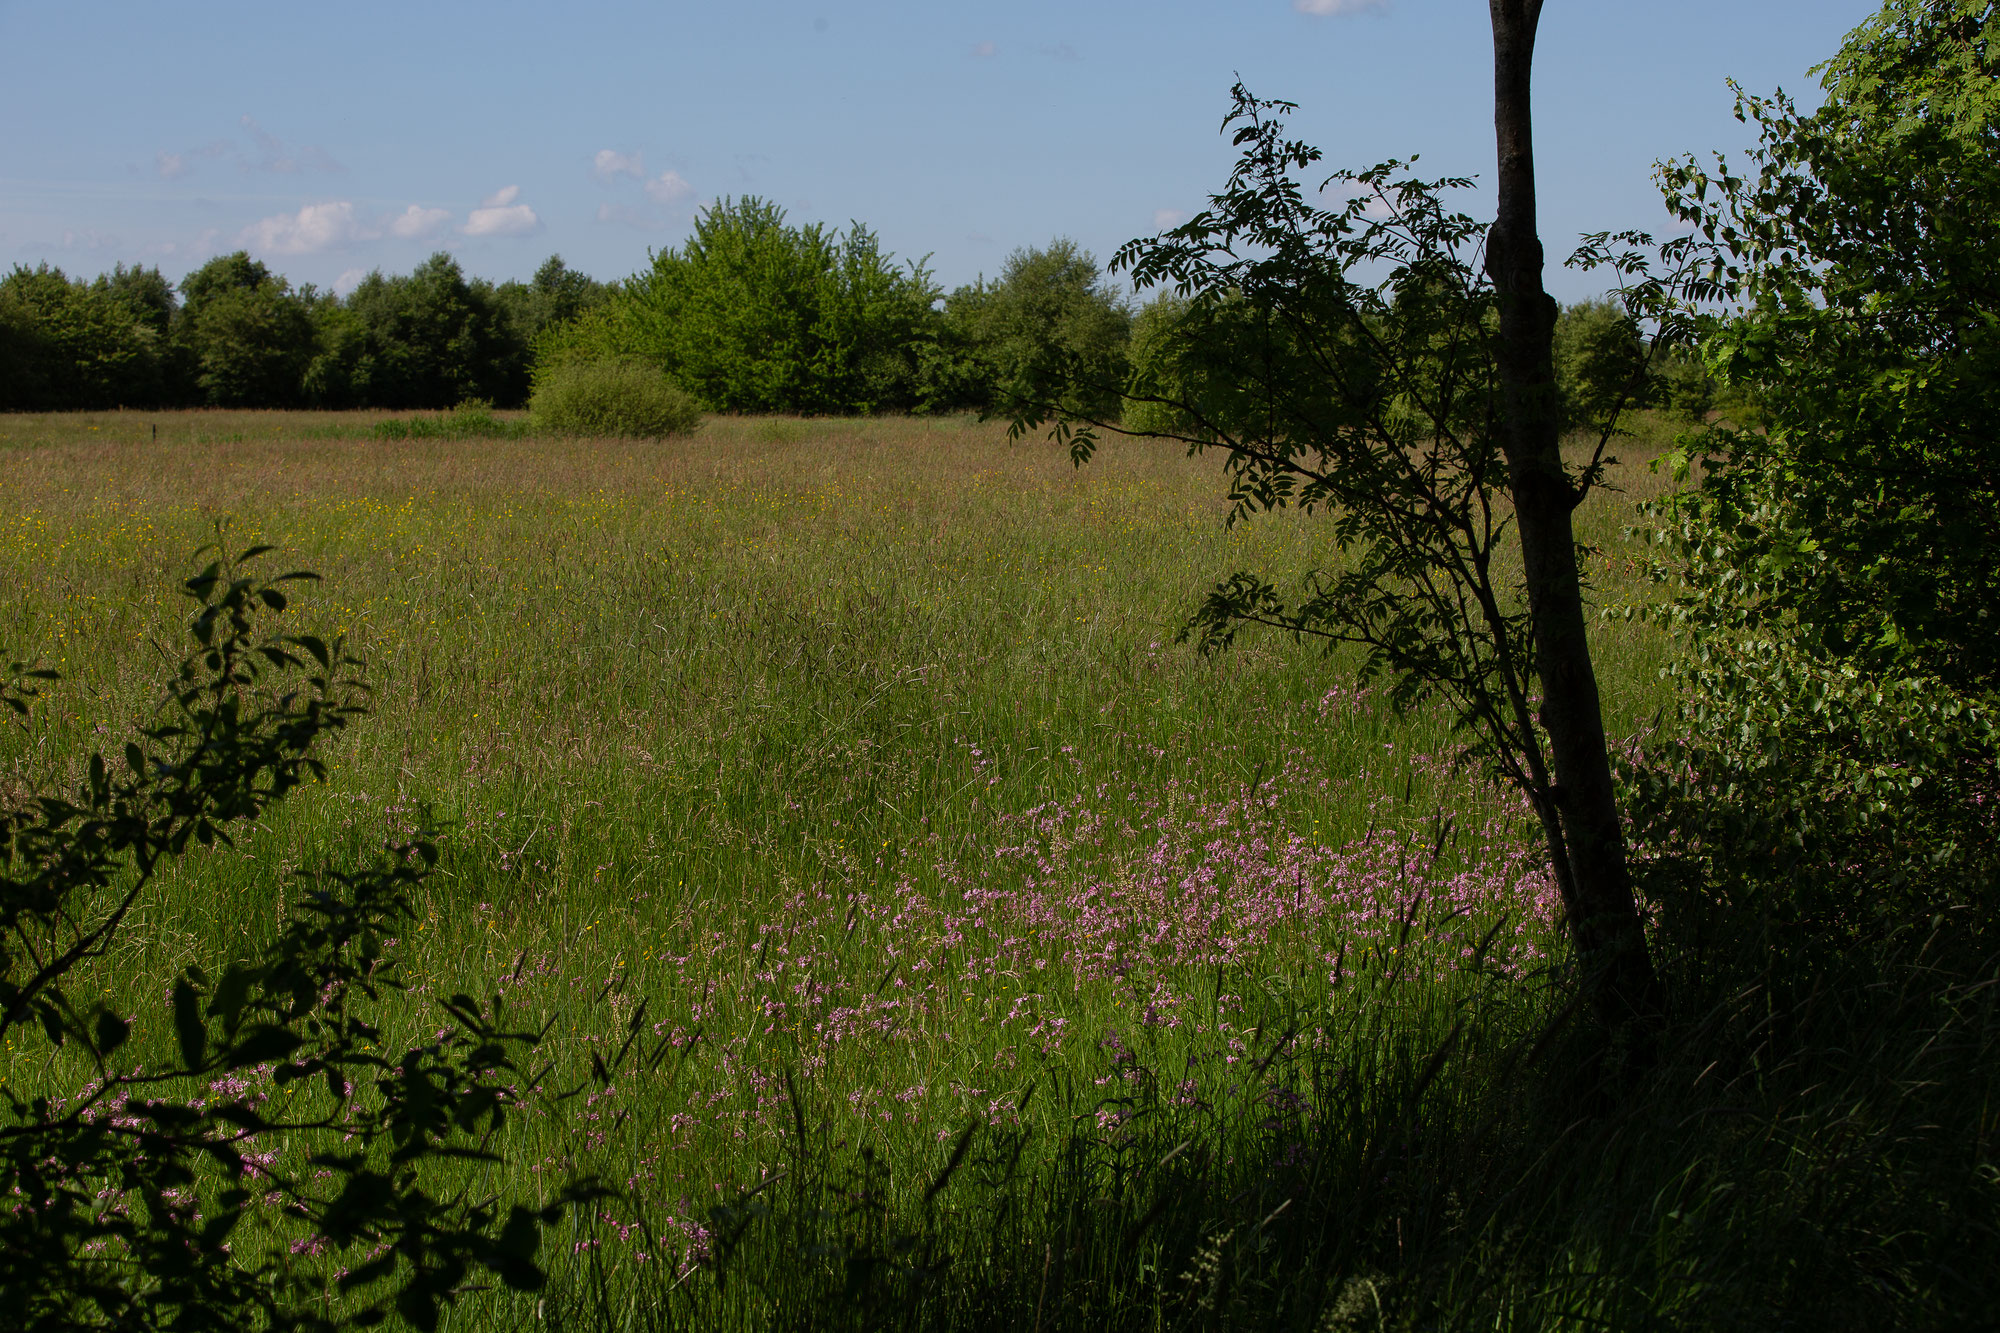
(467,421)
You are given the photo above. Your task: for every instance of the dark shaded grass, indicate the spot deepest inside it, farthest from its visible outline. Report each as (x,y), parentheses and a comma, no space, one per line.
(1811,1152)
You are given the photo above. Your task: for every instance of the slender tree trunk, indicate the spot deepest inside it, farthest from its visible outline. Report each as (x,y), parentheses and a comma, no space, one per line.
(1603,916)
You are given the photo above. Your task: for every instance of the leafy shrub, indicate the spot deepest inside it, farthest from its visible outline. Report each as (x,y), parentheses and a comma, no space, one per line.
(1600,360)
(1050,325)
(1848,299)
(1798,806)
(624,396)
(754,314)
(1156,386)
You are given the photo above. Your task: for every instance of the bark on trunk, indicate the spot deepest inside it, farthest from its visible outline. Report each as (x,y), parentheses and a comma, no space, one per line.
(1603,916)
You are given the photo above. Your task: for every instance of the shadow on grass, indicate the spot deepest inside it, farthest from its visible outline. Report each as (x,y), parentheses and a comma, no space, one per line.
(1811,1152)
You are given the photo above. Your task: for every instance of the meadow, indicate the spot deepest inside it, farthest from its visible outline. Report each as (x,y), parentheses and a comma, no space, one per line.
(855,763)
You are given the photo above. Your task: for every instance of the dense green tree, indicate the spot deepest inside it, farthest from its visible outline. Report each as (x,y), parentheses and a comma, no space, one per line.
(754,314)
(556,295)
(430,339)
(1848,283)
(69,344)
(1839,558)
(1600,359)
(953,374)
(145,292)
(1051,317)
(248,335)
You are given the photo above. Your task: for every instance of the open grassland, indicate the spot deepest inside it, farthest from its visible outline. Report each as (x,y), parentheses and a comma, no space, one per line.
(859,752)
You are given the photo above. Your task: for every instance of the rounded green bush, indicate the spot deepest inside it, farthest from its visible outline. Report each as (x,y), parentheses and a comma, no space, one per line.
(623,397)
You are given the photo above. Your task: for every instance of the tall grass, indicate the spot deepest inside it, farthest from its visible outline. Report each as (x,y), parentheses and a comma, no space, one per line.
(1001,962)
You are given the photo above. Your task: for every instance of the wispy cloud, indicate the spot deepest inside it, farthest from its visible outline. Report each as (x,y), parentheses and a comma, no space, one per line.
(265,154)
(1333,8)
(1164,218)
(984,50)
(89,238)
(272,155)
(499,215)
(1058,51)
(201,246)
(172,166)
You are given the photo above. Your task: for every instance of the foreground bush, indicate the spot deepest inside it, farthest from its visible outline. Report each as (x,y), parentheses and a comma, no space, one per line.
(279,1150)
(620,397)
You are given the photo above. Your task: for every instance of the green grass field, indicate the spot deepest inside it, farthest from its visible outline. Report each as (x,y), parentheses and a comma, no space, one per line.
(860,752)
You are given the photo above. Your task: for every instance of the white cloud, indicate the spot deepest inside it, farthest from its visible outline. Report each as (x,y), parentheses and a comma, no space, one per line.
(667,195)
(669,188)
(348,280)
(173,165)
(985,50)
(417,223)
(1331,8)
(610,164)
(1164,218)
(499,215)
(312,230)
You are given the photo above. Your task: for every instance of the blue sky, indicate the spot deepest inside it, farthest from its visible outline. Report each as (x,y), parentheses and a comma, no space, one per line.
(333,139)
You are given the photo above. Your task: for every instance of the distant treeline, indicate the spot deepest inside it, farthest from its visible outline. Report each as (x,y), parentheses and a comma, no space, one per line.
(234,334)
(751,314)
